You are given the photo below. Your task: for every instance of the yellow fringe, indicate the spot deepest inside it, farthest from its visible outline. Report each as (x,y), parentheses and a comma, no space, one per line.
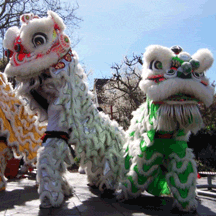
(22,130)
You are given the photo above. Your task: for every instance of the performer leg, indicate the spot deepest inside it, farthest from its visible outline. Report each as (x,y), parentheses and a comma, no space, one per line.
(181,178)
(104,172)
(100,175)
(51,167)
(144,170)
(5,155)
(111,172)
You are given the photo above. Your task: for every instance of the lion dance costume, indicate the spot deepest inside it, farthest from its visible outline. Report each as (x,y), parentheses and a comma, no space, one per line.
(52,81)
(157,158)
(19,132)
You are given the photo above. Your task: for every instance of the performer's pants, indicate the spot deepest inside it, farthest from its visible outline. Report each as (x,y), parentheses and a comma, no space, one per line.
(50,169)
(161,168)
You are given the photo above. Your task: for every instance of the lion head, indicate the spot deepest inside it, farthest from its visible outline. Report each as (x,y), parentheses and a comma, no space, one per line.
(37,45)
(177,82)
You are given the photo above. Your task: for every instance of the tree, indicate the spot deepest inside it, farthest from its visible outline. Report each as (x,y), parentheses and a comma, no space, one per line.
(203,143)
(209,116)
(10,11)
(122,90)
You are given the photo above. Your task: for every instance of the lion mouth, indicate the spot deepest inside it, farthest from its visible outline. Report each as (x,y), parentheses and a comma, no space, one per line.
(179,98)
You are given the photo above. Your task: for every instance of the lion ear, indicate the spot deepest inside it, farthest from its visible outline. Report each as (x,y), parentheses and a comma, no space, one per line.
(58,22)
(205,57)
(10,37)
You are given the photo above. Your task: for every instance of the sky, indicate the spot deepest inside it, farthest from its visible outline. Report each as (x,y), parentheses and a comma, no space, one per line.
(113,29)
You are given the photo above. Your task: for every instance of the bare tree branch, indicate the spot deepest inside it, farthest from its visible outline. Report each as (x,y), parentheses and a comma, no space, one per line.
(122,90)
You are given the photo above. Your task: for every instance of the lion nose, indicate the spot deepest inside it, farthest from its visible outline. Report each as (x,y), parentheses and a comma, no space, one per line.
(185,70)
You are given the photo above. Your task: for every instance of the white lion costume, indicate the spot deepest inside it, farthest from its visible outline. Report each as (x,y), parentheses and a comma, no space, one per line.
(50,78)
(157,158)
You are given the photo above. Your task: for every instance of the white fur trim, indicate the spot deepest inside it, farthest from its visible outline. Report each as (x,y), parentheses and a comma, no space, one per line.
(44,25)
(31,69)
(156,52)
(191,180)
(58,20)
(51,167)
(205,57)
(191,194)
(193,204)
(10,37)
(174,86)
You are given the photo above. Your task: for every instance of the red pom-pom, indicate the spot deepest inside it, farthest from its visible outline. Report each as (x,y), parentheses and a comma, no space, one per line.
(198,176)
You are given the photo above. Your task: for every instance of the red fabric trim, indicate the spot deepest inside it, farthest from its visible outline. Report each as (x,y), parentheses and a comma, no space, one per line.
(164,136)
(158,102)
(173,68)
(204,83)
(155,77)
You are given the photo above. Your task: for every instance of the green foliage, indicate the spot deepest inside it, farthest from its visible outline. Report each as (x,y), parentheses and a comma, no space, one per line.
(209,117)
(203,167)
(210,128)
(204,148)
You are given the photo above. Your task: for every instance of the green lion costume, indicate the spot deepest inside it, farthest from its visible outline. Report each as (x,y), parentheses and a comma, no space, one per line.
(157,157)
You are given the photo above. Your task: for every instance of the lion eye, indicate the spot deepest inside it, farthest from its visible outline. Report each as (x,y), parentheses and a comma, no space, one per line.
(39,39)
(156,65)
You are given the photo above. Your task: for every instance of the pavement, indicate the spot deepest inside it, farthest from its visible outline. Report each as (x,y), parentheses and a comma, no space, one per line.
(21,198)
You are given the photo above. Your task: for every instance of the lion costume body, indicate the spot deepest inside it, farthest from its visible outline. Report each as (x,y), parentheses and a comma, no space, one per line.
(20,132)
(50,78)
(157,158)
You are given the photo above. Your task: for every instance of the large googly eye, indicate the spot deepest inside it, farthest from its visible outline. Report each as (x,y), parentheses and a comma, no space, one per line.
(39,39)
(156,65)
(198,75)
